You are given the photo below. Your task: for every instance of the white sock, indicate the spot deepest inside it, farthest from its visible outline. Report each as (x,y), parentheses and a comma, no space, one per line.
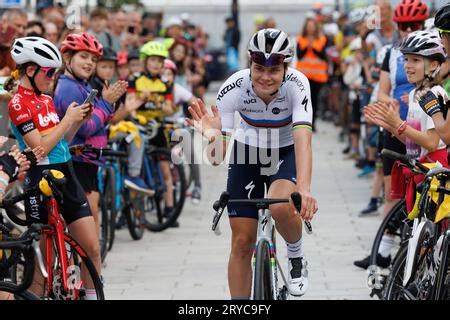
(91,294)
(295,250)
(387,242)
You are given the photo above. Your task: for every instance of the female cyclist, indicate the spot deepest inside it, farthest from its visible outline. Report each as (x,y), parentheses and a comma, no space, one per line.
(274,103)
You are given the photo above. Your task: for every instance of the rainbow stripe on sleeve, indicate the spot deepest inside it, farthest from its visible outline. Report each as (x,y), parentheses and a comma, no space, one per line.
(302,125)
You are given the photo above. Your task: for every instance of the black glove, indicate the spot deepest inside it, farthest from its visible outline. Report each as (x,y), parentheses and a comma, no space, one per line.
(30,157)
(430,104)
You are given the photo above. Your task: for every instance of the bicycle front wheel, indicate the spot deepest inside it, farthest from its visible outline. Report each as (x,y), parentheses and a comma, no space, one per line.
(391,224)
(262,283)
(393,289)
(81,273)
(442,291)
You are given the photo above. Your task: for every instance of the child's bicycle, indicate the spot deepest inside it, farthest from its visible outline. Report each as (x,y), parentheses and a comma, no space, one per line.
(265,262)
(65,259)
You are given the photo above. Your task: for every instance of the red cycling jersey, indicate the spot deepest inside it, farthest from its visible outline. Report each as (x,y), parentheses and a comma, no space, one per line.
(29,111)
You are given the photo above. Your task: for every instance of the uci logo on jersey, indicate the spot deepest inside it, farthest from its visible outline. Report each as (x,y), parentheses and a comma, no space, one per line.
(250,101)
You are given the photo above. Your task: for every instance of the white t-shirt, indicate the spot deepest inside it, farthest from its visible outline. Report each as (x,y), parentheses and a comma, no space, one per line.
(181,95)
(420,121)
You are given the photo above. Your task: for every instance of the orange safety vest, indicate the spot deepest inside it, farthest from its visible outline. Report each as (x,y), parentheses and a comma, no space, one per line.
(310,65)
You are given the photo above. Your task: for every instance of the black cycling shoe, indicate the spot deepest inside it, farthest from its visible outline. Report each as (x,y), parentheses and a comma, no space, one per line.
(381,262)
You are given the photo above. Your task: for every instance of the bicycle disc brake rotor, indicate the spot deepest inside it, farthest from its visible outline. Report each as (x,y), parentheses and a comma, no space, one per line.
(73,284)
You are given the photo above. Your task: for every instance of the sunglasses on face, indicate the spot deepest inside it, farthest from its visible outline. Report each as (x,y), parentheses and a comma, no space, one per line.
(48,71)
(273,60)
(414,26)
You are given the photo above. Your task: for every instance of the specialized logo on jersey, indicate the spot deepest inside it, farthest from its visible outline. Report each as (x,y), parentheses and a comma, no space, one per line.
(230,87)
(250,187)
(305,103)
(21,117)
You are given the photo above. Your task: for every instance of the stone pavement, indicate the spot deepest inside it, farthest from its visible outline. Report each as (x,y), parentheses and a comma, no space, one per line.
(190,262)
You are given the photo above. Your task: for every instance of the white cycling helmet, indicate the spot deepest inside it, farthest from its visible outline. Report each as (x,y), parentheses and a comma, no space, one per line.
(357,15)
(424,43)
(269,41)
(37,50)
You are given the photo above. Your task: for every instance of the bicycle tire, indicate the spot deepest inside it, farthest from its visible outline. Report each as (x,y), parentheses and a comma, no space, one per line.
(18,294)
(135,223)
(110,200)
(442,289)
(398,211)
(393,289)
(422,252)
(79,259)
(262,279)
(104,226)
(157,221)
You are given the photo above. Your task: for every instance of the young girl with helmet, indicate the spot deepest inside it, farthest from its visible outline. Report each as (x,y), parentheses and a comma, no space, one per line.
(394,86)
(35,123)
(424,54)
(436,105)
(267,95)
(158,103)
(81,53)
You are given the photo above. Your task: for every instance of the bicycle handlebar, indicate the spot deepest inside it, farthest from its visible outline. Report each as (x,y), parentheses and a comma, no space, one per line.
(98,152)
(224,200)
(411,163)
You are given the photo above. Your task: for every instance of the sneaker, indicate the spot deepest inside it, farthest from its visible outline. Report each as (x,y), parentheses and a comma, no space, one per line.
(139,185)
(346,150)
(368,169)
(372,207)
(381,262)
(196,195)
(298,276)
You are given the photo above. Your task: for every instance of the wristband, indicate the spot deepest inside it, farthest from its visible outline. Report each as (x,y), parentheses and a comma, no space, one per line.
(401,128)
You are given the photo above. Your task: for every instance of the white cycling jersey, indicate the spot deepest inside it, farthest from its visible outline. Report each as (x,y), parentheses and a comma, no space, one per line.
(262,125)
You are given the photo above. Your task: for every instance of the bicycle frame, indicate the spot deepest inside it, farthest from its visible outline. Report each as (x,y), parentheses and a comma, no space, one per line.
(55,233)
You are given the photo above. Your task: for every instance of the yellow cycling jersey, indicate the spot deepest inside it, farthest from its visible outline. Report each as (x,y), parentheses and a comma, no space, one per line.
(159,91)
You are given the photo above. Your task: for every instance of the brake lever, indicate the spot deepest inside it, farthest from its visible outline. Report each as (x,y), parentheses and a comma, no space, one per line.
(297,200)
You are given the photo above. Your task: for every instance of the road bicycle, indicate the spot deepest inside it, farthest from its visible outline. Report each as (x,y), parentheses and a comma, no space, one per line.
(265,263)
(64,257)
(421,270)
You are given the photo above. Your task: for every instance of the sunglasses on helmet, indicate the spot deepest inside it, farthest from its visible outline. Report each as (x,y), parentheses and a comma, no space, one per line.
(48,71)
(273,60)
(414,26)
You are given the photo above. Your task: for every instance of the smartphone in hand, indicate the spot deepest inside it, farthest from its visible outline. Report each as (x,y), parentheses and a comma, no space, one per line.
(90,99)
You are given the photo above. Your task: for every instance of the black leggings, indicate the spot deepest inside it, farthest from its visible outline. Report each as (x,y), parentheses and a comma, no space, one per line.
(315,89)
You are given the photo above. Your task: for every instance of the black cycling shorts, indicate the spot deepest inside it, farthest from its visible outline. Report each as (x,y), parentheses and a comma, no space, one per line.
(35,207)
(160,140)
(252,168)
(391,143)
(87,175)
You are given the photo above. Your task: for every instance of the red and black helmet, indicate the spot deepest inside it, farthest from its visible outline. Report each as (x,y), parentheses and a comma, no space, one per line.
(411,11)
(82,42)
